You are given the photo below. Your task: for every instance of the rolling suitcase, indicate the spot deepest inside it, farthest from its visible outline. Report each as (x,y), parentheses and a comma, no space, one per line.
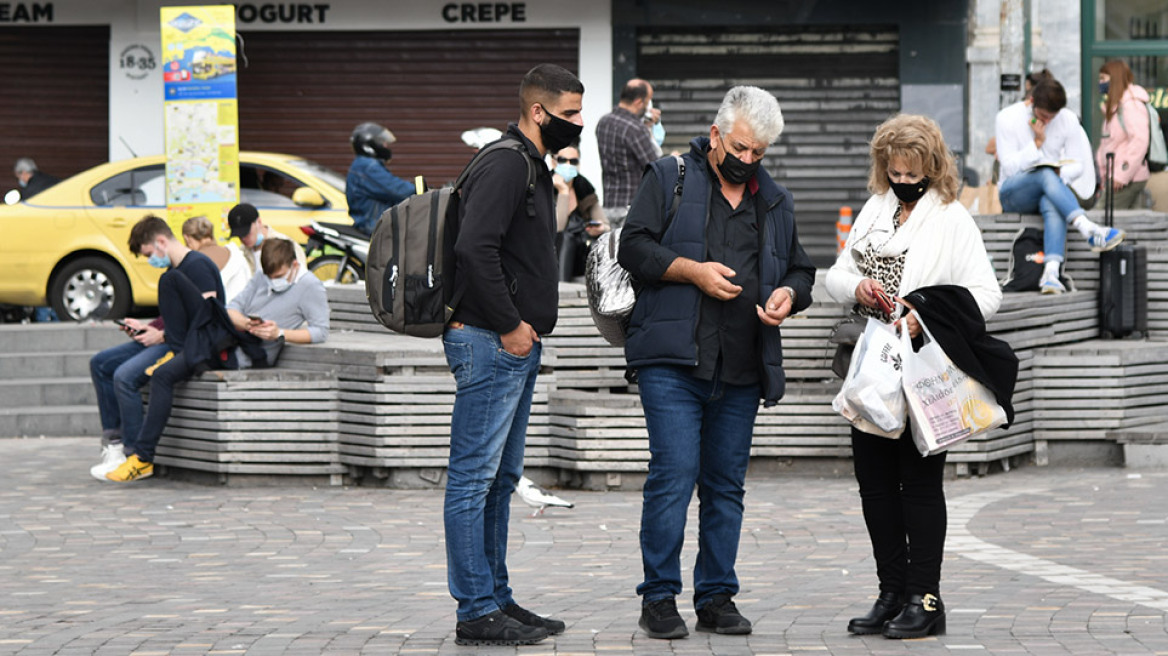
(1123,279)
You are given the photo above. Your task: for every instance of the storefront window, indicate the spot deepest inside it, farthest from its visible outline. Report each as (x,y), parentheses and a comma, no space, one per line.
(1130,20)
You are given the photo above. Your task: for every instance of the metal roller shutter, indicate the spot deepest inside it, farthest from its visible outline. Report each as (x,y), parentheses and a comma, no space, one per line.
(54,104)
(302,93)
(835,85)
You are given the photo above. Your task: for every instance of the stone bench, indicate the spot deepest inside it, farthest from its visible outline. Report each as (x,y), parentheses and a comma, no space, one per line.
(1145,447)
(254,423)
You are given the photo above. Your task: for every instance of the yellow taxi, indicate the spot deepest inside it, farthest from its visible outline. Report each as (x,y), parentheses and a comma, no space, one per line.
(67,246)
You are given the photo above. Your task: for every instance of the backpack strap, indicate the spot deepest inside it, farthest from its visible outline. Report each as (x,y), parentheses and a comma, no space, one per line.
(510,143)
(677,189)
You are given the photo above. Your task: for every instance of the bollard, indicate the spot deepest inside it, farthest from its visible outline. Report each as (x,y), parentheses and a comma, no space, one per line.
(842,228)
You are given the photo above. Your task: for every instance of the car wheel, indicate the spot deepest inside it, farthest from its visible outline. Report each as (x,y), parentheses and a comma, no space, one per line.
(90,288)
(326,267)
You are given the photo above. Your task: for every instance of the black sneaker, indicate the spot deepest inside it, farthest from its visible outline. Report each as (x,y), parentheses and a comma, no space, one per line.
(497,629)
(515,611)
(720,615)
(660,620)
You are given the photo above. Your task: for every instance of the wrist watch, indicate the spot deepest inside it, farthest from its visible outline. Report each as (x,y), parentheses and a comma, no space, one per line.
(280,334)
(790,292)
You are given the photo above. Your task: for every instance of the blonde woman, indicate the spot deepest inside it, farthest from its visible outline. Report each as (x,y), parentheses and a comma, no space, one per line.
(199,235)
(911,234)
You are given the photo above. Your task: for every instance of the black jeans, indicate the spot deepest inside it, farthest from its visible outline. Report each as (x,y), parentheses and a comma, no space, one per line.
(904,508)
(178,302)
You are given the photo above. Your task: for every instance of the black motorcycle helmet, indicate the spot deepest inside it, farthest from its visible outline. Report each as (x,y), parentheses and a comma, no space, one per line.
(372,140)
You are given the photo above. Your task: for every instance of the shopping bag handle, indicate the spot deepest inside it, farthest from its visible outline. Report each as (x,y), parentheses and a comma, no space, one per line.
(904,337)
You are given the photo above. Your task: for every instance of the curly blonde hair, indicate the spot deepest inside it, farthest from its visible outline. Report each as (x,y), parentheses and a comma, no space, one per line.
(917,140)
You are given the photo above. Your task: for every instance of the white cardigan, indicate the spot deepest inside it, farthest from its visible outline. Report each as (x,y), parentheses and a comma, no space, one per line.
(944,247)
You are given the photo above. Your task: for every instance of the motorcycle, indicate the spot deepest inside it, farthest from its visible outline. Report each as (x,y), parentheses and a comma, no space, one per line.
(341,251)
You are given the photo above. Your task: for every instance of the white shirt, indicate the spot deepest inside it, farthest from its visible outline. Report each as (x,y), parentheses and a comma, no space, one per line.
(236,273)
(254,263)
(1065,140)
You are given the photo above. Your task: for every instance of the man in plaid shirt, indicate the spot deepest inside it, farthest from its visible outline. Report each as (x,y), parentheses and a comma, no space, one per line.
(626,148)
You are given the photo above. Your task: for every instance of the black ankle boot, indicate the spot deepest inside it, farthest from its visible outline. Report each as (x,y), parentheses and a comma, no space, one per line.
(887,606)
(923,615)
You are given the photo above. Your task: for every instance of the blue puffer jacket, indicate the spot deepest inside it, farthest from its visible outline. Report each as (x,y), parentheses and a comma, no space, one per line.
(370,189)
(663,327)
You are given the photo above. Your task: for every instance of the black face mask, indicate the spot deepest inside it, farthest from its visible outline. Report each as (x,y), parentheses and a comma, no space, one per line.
(733,170)
(909,192)
(558,133)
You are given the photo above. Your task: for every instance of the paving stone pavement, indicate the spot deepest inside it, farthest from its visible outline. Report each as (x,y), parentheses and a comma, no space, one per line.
(1041,561)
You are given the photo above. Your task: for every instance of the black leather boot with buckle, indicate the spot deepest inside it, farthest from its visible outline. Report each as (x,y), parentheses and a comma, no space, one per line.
(887,606)
(923,615)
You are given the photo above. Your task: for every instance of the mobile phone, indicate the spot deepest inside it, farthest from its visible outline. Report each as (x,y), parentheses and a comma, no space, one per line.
(126,327)
(884,302)
(255,319)
(595,224)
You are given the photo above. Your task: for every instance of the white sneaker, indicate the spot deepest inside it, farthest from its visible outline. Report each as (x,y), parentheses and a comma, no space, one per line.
(112,456)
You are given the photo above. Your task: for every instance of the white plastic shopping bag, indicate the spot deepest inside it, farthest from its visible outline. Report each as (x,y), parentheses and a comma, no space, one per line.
(872,396)
(946,405)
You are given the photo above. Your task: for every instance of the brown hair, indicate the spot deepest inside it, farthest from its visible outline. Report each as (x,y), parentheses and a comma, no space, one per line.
(1034,77)
(1121,79)
(276,253)
(146,231)
(917,140)
(1049,95)
(198,228)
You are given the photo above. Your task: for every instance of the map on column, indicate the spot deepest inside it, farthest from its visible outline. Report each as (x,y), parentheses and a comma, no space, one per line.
(195,138)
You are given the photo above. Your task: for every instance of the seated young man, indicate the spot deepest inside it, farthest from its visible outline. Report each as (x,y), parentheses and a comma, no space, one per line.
(283,303)
(119,372)
(1048,167)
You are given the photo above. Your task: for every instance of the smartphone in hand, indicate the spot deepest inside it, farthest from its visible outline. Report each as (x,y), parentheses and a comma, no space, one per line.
(126,327)
(884,302)
(255,319)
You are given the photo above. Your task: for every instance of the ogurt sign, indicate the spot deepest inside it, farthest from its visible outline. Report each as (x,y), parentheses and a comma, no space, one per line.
(201,113)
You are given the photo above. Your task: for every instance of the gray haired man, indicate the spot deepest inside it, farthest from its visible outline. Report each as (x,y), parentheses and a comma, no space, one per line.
(31,179)
(717,281)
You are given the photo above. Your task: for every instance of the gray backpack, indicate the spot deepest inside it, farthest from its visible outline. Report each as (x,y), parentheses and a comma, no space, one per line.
(611,293)
(409,274)
(1157,155)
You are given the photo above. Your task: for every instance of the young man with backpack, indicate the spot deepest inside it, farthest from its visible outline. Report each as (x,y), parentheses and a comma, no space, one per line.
(507,285)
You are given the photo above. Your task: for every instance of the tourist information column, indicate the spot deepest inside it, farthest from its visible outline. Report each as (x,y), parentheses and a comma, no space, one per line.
(201,114)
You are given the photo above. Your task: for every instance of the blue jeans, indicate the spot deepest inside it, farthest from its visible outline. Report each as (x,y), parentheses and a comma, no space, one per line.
(118,373)
(46,313)
(1043,191)
(699,433)
(487,432)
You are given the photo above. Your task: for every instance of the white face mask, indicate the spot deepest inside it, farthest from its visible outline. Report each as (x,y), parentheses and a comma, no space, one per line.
(280,285)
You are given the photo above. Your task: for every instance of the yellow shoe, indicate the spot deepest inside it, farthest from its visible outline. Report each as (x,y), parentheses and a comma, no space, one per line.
(131,470)
(161,361)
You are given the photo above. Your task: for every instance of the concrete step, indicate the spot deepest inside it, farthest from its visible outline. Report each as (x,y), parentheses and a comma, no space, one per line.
(57,337)
(50,421)
(43,392)
(15,365)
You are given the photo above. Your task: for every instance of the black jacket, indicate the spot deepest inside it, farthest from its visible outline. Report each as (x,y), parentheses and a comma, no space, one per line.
(211,341)
(506,259)
(956,323)
(663,326)
(39,182)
